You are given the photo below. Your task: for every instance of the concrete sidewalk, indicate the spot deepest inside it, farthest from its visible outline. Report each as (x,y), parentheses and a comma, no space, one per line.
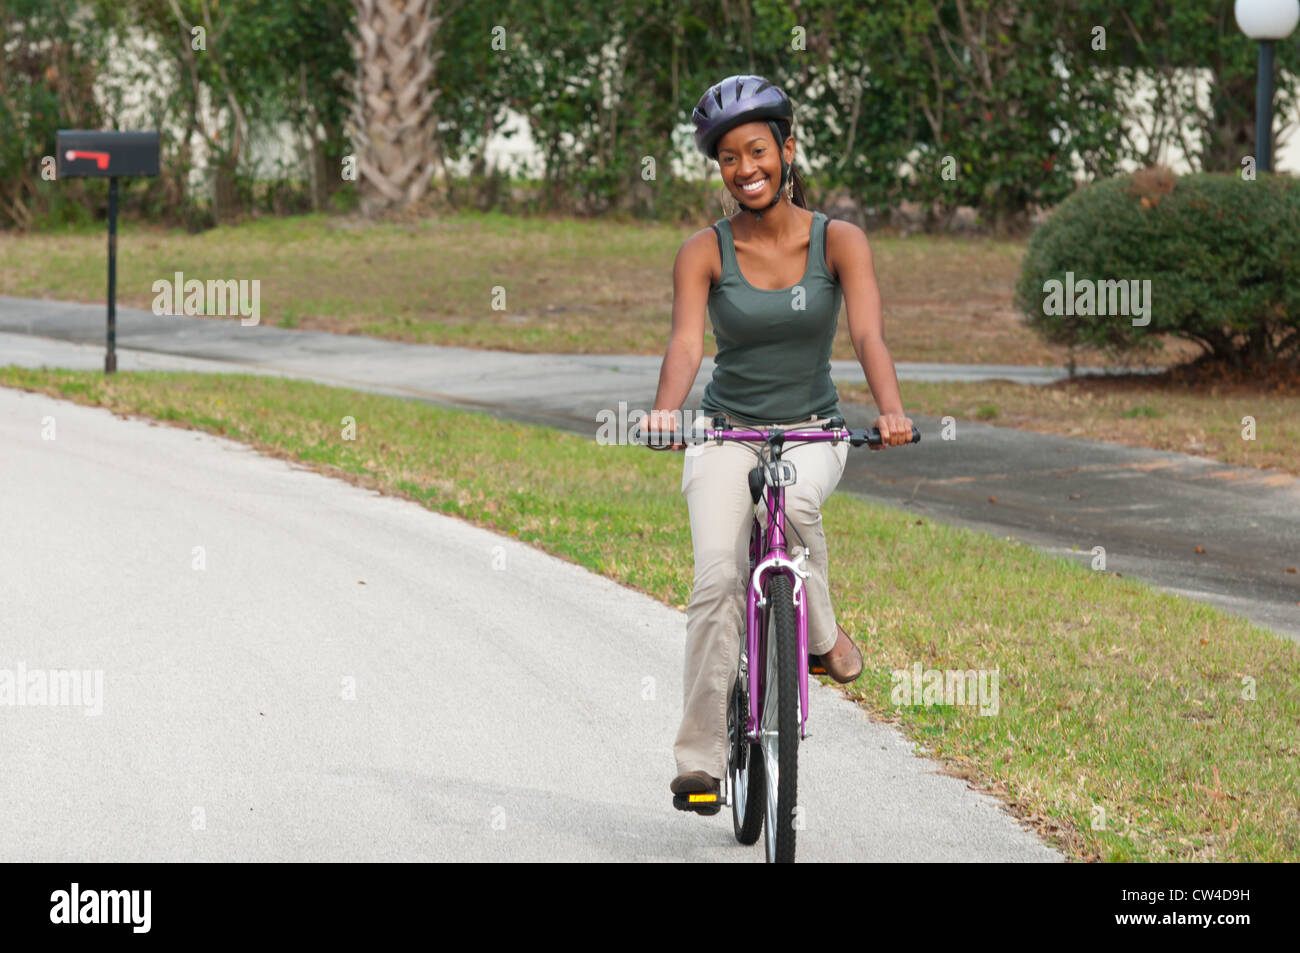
(316,690)
(1149,509)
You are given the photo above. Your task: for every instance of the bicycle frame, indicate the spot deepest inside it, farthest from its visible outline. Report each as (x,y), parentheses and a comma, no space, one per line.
(768,554)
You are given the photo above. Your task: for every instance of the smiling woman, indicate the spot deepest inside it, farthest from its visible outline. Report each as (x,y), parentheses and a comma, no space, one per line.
(772,279)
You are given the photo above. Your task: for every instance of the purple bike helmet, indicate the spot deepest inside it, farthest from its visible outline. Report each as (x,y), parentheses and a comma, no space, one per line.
(735,101)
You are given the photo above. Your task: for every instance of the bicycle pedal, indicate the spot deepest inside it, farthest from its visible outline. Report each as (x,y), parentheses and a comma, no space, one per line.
(700,802)
(816,666)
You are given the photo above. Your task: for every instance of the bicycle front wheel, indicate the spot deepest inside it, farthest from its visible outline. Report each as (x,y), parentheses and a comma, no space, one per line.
(780,722)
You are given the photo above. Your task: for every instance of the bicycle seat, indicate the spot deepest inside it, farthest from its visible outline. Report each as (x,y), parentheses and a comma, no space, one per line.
(756,483)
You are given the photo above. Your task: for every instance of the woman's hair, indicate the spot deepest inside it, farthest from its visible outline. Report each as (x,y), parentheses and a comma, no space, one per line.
(799,197)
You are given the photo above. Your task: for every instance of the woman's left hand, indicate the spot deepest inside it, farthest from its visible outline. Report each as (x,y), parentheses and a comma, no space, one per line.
(895,430)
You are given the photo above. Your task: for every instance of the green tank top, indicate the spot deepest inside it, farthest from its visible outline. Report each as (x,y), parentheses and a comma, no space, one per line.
(774,347)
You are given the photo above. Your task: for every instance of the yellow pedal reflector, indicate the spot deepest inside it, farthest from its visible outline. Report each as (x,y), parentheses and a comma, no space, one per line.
(692,798)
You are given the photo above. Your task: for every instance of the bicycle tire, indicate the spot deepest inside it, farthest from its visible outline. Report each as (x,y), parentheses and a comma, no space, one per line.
(748,787)
(782,751)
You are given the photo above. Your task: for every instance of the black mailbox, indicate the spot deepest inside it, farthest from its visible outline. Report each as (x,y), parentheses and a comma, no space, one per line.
(108,155)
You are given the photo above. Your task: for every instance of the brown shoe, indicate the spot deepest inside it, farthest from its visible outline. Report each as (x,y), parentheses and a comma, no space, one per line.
(843,662)
(699,783)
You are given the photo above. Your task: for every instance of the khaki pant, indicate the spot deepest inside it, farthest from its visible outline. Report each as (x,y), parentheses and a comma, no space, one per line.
(716,486)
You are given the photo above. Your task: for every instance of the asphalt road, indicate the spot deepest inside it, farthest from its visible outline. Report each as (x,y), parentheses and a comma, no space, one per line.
(1149,510)
(292,668)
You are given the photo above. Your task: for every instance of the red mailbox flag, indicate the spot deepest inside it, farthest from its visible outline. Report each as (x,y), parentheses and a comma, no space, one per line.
(101,158)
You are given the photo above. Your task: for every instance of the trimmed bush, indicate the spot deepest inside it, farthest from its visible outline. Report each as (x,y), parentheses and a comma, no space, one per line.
(1220,256)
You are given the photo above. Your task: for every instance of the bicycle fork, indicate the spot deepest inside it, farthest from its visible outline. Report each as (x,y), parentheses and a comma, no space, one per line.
(754,679)
(756,629)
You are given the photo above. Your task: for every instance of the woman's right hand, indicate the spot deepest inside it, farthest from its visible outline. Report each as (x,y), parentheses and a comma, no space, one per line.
(665,423)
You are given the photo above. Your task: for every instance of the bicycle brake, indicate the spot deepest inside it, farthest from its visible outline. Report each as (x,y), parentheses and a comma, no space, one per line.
(799,564)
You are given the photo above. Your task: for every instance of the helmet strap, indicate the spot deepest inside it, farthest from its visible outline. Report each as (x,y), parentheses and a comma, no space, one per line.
(785,175)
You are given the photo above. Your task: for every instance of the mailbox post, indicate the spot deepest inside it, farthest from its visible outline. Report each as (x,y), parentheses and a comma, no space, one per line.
(107,155)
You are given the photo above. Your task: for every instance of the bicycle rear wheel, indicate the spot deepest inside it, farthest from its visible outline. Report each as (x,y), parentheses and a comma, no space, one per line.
(779,721)
(745,767)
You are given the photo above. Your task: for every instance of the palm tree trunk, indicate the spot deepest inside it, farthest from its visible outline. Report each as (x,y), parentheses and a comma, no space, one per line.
(392,123)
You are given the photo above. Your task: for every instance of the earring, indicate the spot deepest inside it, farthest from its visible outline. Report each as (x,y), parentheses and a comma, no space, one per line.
(789,187)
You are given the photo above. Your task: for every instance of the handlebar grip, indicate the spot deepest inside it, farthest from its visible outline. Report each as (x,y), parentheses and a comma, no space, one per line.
(872,437)
(657,439)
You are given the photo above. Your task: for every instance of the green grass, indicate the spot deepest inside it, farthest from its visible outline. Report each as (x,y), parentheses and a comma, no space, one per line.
(1142,410)
(1113,696)
(1238,425)
(566,285)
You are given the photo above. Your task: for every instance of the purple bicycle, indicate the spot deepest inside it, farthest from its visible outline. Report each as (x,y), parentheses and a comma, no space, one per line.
(767,714)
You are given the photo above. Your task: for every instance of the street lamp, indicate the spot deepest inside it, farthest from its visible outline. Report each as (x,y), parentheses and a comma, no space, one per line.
(1266,21)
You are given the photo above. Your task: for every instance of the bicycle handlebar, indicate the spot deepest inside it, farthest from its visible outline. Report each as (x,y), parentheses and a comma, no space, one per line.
(833,430)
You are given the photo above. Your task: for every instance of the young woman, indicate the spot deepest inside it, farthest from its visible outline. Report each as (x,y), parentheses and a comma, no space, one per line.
(772,278)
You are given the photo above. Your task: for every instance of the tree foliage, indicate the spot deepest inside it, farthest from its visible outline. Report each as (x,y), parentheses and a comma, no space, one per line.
(946,103)
(1202,70)
(50,55)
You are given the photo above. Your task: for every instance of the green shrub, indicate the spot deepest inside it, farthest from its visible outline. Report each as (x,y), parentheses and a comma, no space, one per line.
(1222,255)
